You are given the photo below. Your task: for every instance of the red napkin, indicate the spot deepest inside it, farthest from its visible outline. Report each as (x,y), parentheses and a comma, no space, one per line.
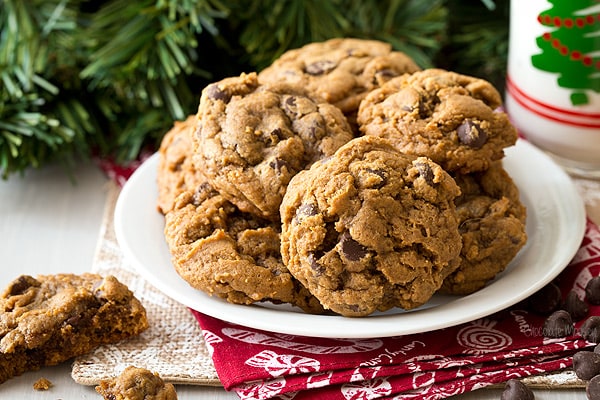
(433,365)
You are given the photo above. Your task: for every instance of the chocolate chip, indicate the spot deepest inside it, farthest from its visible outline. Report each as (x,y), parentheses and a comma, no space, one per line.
(21,284)
(559,324)
(289,104)
(320,67)
(592,389)
(383,75)
(471,134)
(592,290)
(387,73)
(305,210)
(214,92)
(597,349)
(314,264)
(278,133)
(73,320)
(590,330)
(586,364)
(545,300)
(422,109)
(203,192)
(352,250)
(575,306)
(514,389)
(381,174)
(278,164)
(425,172)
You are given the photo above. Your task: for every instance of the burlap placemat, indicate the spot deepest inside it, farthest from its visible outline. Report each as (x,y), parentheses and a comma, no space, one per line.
(173,346)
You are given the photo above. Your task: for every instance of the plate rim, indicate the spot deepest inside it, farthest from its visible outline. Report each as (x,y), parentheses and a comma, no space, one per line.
(333,326)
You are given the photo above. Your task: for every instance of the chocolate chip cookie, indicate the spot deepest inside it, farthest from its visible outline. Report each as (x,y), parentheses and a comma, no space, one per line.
(231,254)
(252,139)
(50,319)
(176,171)
(371,228)
(451,118)
(492,227)
(340,71)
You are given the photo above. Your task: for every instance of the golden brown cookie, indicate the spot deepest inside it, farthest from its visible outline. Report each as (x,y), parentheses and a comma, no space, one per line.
(371,228)
(340,71)
(492,226)
(451,118)
(136,384)
(253,138)
(51,318)
(176,171)
(234,255)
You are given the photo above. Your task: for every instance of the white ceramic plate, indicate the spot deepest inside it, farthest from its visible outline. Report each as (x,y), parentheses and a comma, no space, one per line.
(555,227)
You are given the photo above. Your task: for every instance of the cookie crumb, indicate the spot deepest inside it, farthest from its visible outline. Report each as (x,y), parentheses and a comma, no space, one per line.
(136,384)
(42,384)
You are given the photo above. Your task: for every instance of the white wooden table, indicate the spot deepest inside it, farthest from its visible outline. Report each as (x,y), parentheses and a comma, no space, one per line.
(48,224)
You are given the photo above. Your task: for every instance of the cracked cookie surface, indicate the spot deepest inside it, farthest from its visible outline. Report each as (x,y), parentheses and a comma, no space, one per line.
(492,226)
(371,228)
(231,254)
(449,117)
(176,171)
(50,319)
(340,71)
(253,138)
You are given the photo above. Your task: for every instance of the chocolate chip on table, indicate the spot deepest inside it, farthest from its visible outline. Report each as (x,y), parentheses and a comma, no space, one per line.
(592,389)
(516,390)
(590,330)
(471,134)
(586,364)
(575,306)
(558,324)
(592,291)
(545,300)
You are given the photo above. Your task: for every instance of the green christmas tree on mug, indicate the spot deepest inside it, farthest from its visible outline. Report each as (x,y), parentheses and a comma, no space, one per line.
(572,47)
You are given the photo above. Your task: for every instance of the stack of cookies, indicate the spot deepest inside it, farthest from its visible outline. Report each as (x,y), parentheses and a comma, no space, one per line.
(343,179)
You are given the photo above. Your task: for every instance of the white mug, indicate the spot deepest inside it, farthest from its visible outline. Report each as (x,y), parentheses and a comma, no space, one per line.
(553,79)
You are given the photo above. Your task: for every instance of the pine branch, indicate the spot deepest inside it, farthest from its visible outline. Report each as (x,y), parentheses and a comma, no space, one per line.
(143,57)
(284,25)
(37,123)
(80,77)
(413,26)
(478,40)
(137,49)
